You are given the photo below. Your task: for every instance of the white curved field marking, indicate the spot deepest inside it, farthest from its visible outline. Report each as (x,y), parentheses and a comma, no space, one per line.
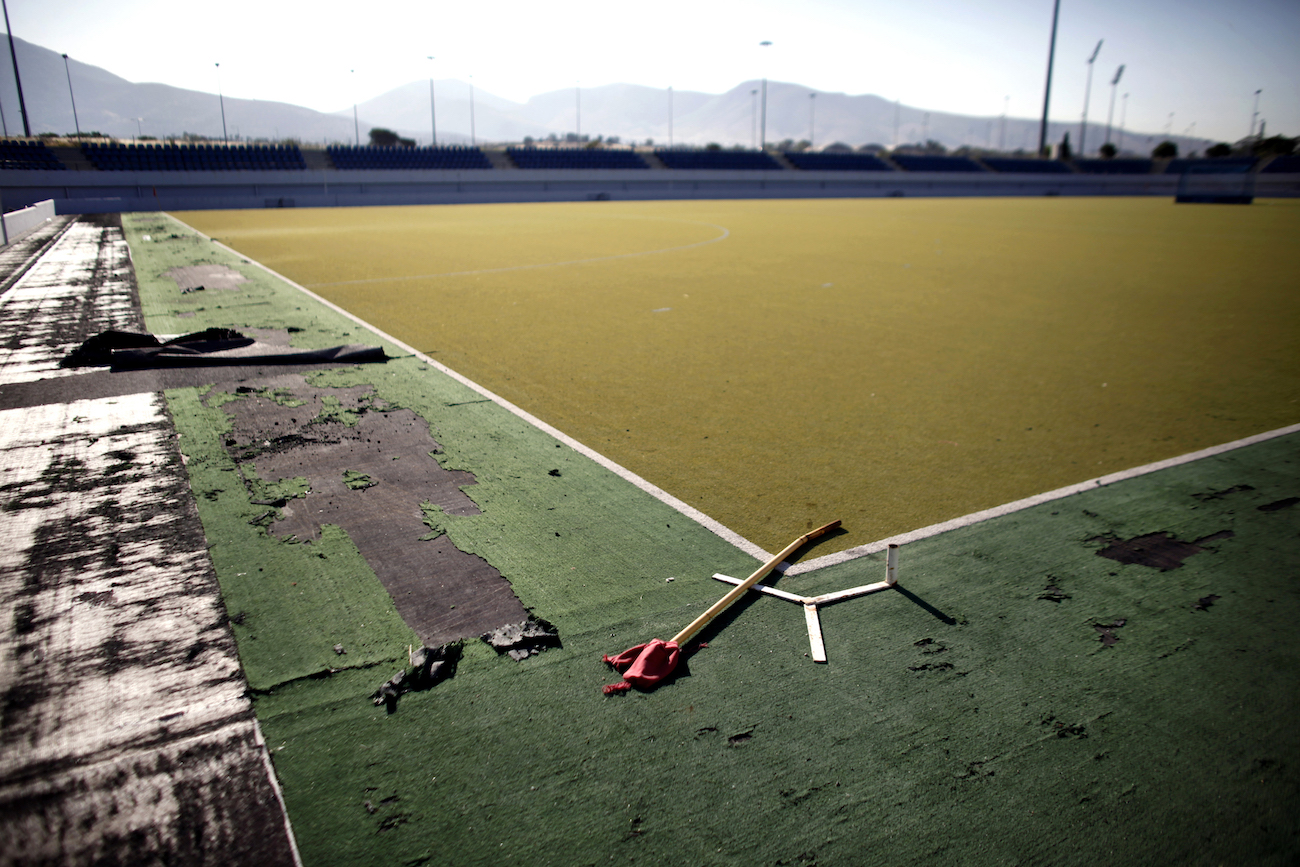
(722,237)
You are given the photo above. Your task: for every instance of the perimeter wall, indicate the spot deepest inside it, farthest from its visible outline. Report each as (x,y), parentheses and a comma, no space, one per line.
(108,192)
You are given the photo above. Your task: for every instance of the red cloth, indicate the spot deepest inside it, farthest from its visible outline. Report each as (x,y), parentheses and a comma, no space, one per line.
(646,664)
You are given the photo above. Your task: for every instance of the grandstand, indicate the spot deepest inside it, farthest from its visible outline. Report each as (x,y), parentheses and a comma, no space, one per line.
(1015,165)
(575,158)
(118,157)
(717,160)
(1115,167)
(371,157)
(1221,165)
(28,155)
(930,163)
(833,162)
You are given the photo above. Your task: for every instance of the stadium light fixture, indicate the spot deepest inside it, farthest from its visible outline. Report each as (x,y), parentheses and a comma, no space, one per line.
(1110,115)
(433,117)
(225,137)
(1253,115)
(762,127)
(1047,91)
(1087,95)
(75,123)
(13,54)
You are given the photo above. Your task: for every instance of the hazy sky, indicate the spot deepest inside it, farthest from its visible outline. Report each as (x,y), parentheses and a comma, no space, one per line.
(1203,60)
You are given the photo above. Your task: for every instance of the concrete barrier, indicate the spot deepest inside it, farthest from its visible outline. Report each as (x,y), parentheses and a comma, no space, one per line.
(103,192)
(18,223)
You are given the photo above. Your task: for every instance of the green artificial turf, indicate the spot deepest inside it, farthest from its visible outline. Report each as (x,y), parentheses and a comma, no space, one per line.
(973,717)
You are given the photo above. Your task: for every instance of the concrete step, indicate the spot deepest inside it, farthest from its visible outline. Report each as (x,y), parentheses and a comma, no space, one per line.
(782,161)
(316,160)
(499,158)
(651,159)
(72,157)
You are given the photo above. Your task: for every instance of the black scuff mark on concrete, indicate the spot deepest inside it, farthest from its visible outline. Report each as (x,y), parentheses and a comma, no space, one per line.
(1162,551)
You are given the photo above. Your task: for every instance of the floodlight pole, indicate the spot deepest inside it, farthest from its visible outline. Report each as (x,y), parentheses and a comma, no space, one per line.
(13,54)
(1110,115)
(1087,95)
(812,102)
(1123,116)
(670,115)
(76,123)
(356,124)
(1002,136)
(225,137)
(762,128)
(1253,115)
(753,118)
(1047,92)
(433,117)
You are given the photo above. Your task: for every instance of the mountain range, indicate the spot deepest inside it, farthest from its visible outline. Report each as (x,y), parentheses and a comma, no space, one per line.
(123,109)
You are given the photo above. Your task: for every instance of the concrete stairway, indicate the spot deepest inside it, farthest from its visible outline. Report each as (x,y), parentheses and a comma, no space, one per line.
(72,157)
(316,160)
(498,158)
(651,159)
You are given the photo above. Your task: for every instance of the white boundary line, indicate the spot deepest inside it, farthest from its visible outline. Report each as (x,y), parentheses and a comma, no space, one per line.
(727,533)
(1037,499)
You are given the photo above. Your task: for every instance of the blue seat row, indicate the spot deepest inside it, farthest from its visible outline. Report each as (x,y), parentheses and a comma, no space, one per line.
(1115,167)
(575,158)
(932,163)
(1217,165)
(833,162)
(452,157)
(117,157)
(28,155)
(723,160)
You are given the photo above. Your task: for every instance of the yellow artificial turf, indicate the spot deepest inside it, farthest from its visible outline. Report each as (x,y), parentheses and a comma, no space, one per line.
(893,363)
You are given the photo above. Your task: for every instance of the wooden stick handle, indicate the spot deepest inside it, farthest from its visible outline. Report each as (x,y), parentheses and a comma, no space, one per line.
(722,604)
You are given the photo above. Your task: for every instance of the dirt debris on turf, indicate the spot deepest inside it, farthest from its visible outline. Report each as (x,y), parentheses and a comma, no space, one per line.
(429,666)
(339,456)
(524,639)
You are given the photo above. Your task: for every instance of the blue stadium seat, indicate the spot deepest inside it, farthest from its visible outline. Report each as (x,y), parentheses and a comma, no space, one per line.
(29,155)
(575,158)
(454,157)
(115,156)
(1282,164)
(1115,167)
(1227,165)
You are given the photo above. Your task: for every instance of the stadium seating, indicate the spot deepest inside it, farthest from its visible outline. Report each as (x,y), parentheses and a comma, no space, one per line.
(575,158)
(1115,167)
(28,155)
(1226,165)
(1013,165)
(118,157)
(723,160)
(453,157)
(836,162)
(1282,164)
(930,163)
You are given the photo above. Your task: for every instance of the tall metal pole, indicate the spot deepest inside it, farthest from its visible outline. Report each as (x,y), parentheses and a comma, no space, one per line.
(1087,95)
(762,127)
(76,123)
(670,115)
(13,54)
(1002,136)
(812,102)
(1047,92)
(225,137)
(473,136)
(1110,115)
(753,118)
(356,124)
(433,117)
(1253,115)
(1123,116)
